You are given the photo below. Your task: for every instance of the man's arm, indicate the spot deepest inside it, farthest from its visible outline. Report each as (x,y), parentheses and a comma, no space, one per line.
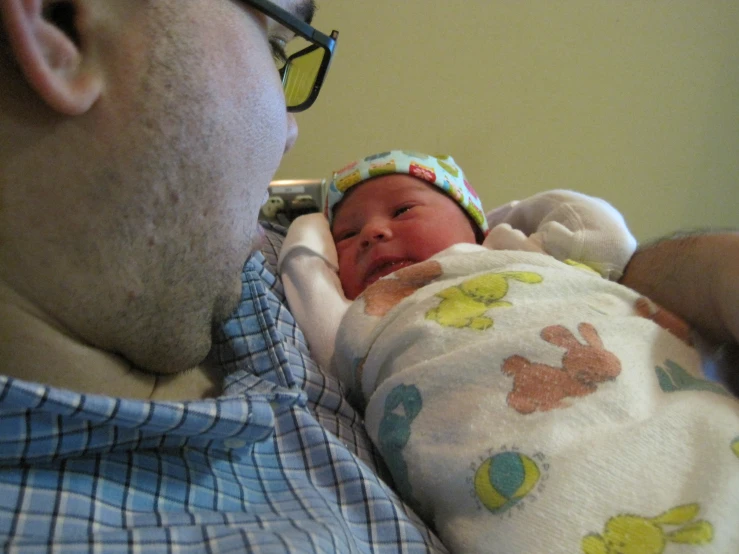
(696,276)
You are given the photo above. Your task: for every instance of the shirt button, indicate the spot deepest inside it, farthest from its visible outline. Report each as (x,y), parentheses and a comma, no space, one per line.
(234,443)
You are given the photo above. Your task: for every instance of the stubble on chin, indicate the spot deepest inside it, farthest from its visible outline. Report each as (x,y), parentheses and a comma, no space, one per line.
(226,304)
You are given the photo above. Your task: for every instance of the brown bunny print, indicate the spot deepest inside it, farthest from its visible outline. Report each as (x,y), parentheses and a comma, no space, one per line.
(542,387)
(381,296)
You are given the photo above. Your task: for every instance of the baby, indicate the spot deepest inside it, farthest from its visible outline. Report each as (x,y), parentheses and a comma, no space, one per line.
(522,401)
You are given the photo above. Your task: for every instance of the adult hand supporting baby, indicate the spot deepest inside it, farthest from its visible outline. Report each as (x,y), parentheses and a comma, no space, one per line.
(695,276)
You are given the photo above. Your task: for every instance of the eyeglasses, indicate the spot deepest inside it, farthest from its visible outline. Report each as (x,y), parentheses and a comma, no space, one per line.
(303,72)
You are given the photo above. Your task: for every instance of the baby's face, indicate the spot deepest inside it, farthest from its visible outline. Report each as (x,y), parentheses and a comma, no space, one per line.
(392,222)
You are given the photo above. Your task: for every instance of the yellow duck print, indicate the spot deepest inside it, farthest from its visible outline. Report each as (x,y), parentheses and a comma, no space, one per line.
(463,305)
(630,534)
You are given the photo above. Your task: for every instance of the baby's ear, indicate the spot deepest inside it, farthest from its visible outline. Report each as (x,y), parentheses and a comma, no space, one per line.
(47,41)
(590,334)
(560,336)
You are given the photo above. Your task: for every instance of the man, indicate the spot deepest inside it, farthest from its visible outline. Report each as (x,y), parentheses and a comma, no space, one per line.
(137,140)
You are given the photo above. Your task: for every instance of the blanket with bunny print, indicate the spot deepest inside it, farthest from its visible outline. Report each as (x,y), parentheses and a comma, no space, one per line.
(528,405)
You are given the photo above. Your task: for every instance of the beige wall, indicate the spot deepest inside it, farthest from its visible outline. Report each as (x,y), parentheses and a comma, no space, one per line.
(634,101)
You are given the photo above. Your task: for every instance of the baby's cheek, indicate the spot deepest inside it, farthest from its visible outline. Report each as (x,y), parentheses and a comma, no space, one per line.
(342,257)
(345,270)
(346,251)
(350,278)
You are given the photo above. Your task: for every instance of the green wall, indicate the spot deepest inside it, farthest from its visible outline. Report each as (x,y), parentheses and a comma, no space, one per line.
(633,101)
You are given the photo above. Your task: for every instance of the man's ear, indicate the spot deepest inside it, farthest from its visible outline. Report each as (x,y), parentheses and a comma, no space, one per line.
(45,39)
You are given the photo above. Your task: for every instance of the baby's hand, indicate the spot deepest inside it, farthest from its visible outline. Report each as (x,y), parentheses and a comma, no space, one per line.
(505,237)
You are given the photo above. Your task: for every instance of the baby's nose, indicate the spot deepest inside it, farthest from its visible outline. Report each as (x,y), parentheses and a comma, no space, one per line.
(376,237)
(375,232)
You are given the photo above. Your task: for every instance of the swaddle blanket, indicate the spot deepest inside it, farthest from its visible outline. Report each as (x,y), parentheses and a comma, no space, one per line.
(524,405)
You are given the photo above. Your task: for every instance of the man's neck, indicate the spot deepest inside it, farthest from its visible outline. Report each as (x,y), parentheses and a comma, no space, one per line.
(34,348)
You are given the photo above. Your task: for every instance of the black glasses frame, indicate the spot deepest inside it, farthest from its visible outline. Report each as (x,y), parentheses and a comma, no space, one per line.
(309,33)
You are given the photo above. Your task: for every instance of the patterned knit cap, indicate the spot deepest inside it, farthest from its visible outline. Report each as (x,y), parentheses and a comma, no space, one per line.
(438,170)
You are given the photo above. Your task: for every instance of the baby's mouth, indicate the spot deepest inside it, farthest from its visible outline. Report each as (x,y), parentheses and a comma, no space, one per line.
(385,269)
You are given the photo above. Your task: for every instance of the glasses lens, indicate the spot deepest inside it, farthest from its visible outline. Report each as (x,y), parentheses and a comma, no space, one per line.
(300,76)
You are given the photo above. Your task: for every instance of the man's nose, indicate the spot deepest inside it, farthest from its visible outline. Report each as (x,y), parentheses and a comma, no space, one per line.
(292,132)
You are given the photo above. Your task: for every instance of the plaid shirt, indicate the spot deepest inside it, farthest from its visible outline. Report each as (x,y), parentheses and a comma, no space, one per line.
(273,465)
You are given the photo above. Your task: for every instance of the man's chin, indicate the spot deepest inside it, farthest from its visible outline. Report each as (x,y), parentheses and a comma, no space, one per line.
(226,305)
(259,240)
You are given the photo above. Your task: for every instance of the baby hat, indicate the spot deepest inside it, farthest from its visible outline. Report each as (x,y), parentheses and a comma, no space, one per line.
(437,170)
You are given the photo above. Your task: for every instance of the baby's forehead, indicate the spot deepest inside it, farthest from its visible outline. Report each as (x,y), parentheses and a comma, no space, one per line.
(390,187)
(383,190)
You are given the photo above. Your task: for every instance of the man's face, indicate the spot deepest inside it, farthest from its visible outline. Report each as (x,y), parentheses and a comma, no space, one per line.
(207,132)
(155,192)
(392,222)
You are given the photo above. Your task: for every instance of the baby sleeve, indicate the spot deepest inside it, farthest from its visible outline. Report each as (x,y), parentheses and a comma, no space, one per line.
(566,225)
(308,265)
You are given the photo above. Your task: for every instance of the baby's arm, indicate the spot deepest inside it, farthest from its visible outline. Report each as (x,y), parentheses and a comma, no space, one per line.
(308,265)
(566,225)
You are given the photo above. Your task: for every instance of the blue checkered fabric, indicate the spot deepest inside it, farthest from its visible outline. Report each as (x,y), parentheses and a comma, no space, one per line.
(279,463)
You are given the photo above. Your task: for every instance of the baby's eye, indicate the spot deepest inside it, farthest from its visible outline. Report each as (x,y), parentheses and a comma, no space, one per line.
(401,210)
(279,55)
(346,235)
